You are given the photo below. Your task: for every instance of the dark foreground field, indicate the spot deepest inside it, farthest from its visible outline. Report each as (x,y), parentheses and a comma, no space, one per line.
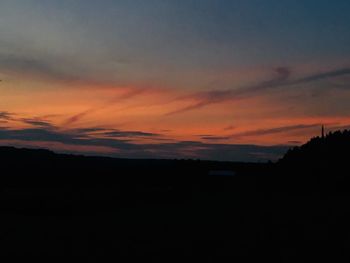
(170,211)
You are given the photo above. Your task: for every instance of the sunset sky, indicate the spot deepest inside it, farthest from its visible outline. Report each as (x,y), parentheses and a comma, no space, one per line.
(238,80)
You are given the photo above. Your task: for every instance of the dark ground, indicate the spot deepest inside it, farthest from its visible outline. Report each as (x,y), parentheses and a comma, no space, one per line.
(167,211)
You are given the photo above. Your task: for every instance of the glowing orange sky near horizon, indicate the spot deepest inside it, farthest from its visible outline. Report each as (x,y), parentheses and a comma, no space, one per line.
(271,119)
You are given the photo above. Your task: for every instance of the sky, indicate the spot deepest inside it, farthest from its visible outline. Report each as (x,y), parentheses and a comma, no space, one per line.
(239,80)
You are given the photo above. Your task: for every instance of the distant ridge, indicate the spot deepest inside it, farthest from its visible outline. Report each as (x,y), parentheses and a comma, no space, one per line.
(40,162)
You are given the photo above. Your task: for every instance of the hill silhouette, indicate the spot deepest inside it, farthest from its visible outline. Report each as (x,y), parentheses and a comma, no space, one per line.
(329,152)
(171,210)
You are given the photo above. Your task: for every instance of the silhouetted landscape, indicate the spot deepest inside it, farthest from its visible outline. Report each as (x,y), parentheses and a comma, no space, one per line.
(174,131)
(295,210)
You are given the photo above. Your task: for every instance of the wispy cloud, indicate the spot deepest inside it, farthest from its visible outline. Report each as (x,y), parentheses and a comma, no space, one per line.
(127,149)
(262,132)
(276,130)
(216,96)
(35,67)
(281,79)
(112,133)
(229,128)
(38,123)
(34,121)
(80,115)
(125,96)
(44,125)
(5,115)
(120,134)
(322,76)
(215,138)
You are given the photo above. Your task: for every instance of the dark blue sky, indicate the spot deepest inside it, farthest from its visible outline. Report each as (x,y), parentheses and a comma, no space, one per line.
(193,31)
